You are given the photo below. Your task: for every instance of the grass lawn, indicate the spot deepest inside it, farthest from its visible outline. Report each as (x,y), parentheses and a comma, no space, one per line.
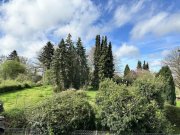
(26,97)
(178,103)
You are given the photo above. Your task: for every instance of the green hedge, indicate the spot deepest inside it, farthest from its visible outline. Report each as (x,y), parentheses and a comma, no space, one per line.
(173,114)
(11,88)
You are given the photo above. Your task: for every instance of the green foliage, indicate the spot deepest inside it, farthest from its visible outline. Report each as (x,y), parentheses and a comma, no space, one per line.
(173,115)
(126,70)
(139,65)
(46,55)
(82,75)
(12,88)
(103,61)
(23,78)
(11,69)
(69,66)
(152,88)
(15,118)
(125,110)
(1,107)
(14,56)
(169,92)
(49,77)
(64,113)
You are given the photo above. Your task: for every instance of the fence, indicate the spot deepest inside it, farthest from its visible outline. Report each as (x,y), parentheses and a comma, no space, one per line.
(86,132)
(19,131)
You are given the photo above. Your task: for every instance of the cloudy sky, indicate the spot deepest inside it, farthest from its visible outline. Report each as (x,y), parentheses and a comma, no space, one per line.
(139,30)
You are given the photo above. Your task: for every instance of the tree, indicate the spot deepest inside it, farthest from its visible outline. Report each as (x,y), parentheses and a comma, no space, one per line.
(173,61)
(139,65)
(95,81)
(46,55)
(1,107)
(144,65)
(103,61)
(110,62)
(169,93)
(82,65)
(59,68)
(147,66)
(126,70)
(14,56)
(11,69)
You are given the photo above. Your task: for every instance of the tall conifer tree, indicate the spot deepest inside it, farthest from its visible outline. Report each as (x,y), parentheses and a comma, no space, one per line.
(95,81)
(126,70)
(169,93)
(46,55)
(82,64)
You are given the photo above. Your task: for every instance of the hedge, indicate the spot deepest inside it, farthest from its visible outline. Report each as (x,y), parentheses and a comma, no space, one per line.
(11,88)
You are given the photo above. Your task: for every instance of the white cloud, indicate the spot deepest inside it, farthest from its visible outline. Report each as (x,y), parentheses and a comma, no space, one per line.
(127,51)
(164,53)
(25,24)
(126,13)
(160,24)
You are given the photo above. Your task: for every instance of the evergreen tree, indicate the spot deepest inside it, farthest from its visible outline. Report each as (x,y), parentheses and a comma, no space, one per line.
(110,62)
(70,61)
(103,60)
(59,66)
(144,65)
(170,95)
(126,70)
(82,65)
(46,55)
(14,56)
(95,81)
(139,65)
(147,66)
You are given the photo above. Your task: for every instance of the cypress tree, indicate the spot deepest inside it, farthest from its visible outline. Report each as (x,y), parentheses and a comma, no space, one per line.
(144,65)
(95,81)
(46,55)
(14,56)
(110,62)
(170,95)
(147,66)
(139,65)
(126,70)
(103,61)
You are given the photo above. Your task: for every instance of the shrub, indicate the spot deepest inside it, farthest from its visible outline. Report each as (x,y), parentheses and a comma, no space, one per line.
(125,111)
(11,69)
(15,118)
(1,107)
(169,92)
(65,112)
(173,114)
(152,88)
(22,78)
(14,87)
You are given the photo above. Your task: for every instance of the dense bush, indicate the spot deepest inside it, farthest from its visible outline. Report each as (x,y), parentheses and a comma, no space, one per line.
(11,88)
(169,91)
(65,112)
(125,110)
(11,69)
(15,118)
(173,114)
(152,88)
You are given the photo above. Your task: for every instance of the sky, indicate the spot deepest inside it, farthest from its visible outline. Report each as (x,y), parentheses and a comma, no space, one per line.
(138,29)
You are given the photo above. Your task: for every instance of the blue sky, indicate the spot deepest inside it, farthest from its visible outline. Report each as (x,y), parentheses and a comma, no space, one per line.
(138,29)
